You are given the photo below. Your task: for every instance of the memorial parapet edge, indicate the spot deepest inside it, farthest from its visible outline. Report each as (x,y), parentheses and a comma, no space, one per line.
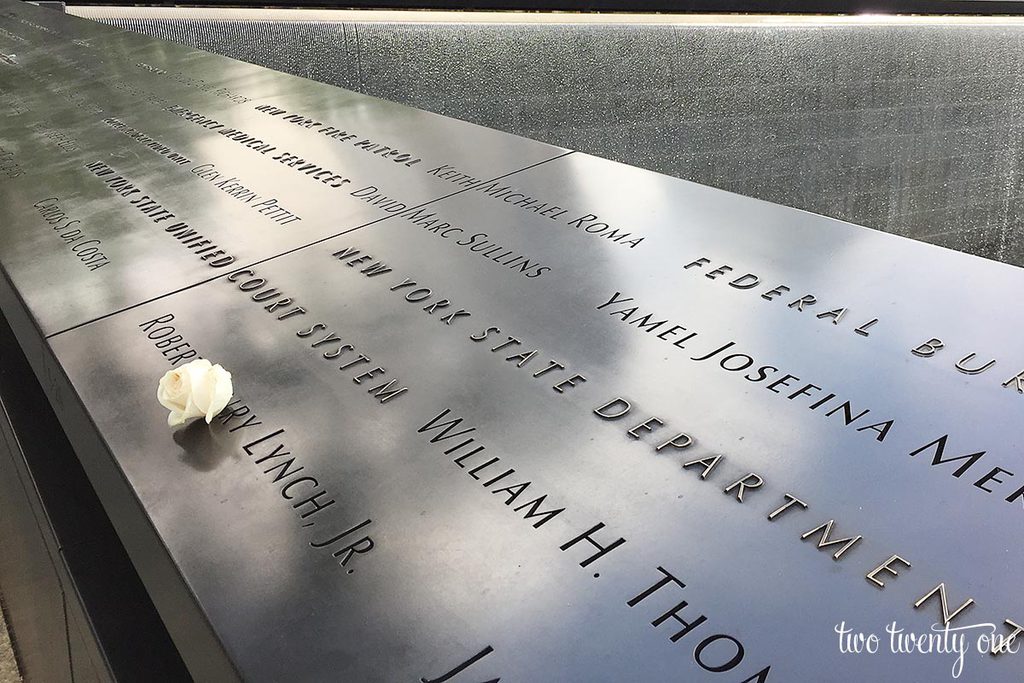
(582,422)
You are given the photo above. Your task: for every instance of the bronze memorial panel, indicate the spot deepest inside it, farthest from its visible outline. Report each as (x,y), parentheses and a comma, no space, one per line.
(517,413)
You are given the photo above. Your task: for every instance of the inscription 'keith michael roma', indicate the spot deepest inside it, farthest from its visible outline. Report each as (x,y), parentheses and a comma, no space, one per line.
(589,223)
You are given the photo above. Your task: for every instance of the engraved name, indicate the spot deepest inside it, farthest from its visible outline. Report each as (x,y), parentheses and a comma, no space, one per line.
(85,248)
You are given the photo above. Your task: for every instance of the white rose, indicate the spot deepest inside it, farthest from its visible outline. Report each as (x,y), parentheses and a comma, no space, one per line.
(194,390)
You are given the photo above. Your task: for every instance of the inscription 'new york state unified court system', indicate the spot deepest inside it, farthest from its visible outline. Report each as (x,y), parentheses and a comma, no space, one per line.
(502,411)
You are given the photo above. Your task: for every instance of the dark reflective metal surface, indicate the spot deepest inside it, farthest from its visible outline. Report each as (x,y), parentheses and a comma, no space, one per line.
(329,527)
(238,194)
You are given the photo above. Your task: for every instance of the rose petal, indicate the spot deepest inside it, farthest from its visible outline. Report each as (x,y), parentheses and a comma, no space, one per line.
(196,370)
(220,391)
(173,389)
(202,390)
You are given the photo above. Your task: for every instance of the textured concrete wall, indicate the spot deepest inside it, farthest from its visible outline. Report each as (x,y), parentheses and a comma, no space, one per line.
(8,666)
(911,128)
